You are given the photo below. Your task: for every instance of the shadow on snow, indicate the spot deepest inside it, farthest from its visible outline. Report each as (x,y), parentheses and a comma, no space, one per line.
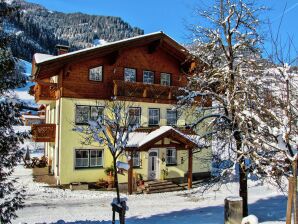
(269,209)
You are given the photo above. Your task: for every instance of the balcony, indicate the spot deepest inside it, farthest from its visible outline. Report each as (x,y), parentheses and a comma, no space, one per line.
(146,92)
(43,132)
(44,94)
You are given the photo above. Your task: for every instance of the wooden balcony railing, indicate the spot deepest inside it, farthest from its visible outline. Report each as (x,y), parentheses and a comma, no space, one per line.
(43,92)
(43,132)
(146,92)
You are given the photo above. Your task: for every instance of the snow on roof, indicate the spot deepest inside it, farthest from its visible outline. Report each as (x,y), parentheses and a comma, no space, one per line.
(138,139)
(30,116)
(40,58)
(21,129)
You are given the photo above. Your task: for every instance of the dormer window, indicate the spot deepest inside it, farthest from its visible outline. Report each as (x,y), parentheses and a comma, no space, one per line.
(148,77)
(130,75)
(165,79)
(95,74)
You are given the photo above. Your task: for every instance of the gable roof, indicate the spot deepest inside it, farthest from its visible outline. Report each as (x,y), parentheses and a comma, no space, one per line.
(143,140)
(51,61)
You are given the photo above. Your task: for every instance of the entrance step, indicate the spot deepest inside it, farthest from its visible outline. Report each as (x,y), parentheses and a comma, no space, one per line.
(161,186)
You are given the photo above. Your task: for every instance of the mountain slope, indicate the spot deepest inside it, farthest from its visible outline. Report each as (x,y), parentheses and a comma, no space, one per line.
(37,29)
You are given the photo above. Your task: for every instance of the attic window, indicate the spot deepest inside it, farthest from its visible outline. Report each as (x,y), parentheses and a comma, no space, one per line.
(165,79)
(95,74)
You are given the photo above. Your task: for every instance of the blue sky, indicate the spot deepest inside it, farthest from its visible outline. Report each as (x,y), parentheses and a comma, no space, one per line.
(171,16)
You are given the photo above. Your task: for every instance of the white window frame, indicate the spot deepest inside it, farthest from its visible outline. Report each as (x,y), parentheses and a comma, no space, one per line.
(136,159)
(148,80)
(76,159)
(167,80)
(139,115)
(130,70)
(96,73)
(101,158)
(171,111)
(88,159)
(153,109)
(171,160)
(89,113)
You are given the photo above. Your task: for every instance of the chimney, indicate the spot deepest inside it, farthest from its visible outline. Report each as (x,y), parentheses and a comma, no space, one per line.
(62,49)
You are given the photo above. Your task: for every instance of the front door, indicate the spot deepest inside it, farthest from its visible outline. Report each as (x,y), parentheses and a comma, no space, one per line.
(153,164)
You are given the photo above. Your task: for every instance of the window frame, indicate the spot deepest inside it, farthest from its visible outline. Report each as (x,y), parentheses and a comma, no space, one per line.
(153,77)
(138,153)
(171,164)
(125,76)
(89,159)
(140,114)
(170,110)
(89,113)
(169,75)
(94,67)
(158,109)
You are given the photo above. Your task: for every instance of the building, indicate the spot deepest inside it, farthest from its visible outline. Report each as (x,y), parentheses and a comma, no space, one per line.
(29,118)
(147,71)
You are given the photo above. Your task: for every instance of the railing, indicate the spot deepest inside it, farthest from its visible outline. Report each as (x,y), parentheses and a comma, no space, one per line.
(146,91)
(43,92)
(43,132)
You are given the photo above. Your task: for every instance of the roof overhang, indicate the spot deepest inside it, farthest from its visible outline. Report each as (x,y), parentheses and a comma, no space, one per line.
(47,65)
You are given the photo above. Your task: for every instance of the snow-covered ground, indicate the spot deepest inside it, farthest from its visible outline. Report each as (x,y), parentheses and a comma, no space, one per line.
(50,205)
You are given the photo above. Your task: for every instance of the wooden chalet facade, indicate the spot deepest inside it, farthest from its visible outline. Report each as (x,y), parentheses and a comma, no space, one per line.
(147,70)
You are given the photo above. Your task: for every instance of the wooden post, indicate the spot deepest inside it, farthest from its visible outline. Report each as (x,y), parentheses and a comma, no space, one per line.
(130,172)
(189,178)
(290,200)
(115,89)
(233,210)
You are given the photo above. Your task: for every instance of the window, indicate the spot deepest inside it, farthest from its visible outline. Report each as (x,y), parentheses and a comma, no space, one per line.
(95,74)
(171,117)
(134,115)
(130,75)
(148,77)
(165,79)
(88,158)
(86,113)
(82,158)
(96,112)
(171,157)
(153,116)
(136,159)
(82,114)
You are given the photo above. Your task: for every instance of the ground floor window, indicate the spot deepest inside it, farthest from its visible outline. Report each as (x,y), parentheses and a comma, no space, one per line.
(136,159)
(88,158)
(171,158)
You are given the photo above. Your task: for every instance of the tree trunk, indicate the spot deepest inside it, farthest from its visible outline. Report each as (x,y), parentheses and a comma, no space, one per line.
(116,180)
(243,186)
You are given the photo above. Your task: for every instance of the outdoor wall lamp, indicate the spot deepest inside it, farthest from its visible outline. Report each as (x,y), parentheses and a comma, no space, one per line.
(182,160)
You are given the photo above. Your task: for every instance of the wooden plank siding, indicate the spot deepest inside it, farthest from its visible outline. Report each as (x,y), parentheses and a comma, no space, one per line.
(76,83)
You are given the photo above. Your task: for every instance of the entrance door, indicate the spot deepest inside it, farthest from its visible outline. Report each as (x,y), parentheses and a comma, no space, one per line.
(153,164)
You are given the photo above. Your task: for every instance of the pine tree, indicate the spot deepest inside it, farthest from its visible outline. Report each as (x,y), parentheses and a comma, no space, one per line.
(11,198)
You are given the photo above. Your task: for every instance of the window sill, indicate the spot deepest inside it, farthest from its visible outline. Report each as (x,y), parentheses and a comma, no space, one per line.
(137,167)
(171,164)
(86,168)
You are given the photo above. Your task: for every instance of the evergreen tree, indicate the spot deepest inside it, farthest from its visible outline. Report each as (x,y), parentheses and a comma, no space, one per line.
(11,198)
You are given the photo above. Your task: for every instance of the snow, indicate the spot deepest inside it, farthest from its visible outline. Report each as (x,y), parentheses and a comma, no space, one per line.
(42,57)
(50,58)
(27,116)
(45,204)
(138,139)
(251,219)
(122,165)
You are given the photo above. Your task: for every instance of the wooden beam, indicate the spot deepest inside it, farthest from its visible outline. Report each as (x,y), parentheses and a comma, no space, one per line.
(189,178)
(130,172)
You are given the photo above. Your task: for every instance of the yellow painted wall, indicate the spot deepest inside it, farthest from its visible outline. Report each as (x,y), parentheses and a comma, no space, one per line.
(71,140)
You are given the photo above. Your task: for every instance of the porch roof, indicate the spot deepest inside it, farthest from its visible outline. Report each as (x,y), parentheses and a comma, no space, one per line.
(142,140)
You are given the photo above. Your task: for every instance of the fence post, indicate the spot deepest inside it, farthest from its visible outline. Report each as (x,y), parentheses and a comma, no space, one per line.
(233,210)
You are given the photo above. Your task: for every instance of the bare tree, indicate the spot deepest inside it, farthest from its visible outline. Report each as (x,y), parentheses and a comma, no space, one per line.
(230,71)
(112,130)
